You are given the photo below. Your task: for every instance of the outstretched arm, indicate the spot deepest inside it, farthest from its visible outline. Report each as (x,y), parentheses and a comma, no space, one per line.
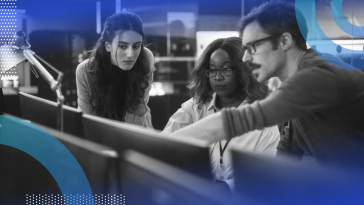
(309,91)
(181,118)
(209,128)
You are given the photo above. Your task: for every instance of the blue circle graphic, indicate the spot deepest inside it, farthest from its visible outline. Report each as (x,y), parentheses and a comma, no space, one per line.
(305,6)
(49,151)
(347,27)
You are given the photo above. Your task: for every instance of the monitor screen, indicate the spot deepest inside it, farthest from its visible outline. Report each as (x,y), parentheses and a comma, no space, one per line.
(98,162)
(278,181)
(22,174)
(149,181)
(186,153)
(45,112)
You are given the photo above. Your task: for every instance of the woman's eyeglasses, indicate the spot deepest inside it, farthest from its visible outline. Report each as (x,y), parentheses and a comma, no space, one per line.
(211,73)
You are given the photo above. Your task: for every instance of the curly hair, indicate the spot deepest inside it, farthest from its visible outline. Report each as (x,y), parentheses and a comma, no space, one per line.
(200,88)
(106,78)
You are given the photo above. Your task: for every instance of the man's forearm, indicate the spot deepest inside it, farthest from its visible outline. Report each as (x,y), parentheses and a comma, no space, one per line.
(232,122)
(228,123)
(210,129)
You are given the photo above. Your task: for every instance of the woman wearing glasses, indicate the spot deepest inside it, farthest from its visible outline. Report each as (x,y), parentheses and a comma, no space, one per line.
(221,80)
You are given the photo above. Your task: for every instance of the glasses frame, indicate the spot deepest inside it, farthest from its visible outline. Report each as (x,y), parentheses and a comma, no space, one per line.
(248,47)
(219,71)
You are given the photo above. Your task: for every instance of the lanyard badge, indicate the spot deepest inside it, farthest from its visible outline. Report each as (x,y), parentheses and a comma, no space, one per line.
(220,172)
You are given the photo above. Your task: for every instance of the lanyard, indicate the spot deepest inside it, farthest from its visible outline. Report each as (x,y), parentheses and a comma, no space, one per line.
(222,150)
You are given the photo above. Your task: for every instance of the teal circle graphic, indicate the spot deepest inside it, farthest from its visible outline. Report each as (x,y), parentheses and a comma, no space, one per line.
(49,151)
(305,6)
(346,26)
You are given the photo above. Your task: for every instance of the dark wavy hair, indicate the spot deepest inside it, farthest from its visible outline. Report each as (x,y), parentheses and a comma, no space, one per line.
(106,79)
(200,88)
(276,18)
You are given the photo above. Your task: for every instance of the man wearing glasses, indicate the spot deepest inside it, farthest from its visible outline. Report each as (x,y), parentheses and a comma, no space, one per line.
(325,102)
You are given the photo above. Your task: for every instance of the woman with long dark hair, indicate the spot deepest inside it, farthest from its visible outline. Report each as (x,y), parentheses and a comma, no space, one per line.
(221,80)
(115,81)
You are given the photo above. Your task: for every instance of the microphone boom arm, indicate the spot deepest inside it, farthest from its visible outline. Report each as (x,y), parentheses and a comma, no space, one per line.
(20,42)
(46,75)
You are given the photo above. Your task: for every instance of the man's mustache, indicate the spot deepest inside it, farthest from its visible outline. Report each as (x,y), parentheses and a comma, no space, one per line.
(252,66)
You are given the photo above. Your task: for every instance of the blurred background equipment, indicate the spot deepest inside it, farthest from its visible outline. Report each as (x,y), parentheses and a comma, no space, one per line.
(67,50)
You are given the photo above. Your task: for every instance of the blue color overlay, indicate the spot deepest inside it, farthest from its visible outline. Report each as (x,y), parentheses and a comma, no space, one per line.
(346,26)
(50,152)
(305,6)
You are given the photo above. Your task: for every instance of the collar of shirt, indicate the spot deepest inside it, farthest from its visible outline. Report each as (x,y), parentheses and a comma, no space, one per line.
(212,103)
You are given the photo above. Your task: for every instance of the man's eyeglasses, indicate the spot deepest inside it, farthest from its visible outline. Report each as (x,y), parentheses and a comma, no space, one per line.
(251,48)
(211,73)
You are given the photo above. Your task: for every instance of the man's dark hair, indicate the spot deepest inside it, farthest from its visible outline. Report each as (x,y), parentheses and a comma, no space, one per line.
(276,18)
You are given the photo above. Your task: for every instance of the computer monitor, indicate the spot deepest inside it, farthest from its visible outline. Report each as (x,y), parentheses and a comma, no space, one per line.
(278,181)
(150,181)
(189,154)
(98,162)
(21,174)
(45,112)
